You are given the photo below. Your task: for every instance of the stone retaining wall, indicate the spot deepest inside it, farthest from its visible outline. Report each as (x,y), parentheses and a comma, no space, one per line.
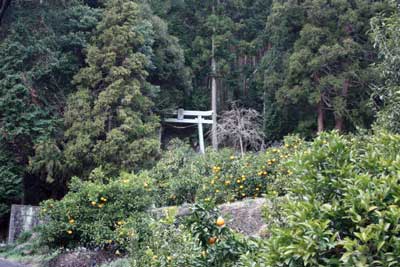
(23,218)
(243,216)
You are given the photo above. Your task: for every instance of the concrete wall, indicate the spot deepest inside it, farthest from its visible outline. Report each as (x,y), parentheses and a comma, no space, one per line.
(23,218)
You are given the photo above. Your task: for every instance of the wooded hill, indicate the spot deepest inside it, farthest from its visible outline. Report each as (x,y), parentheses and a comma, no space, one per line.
(83,84)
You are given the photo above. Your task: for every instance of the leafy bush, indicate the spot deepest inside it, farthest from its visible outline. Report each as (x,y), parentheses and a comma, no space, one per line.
(198,242)
(341,207)
(99,214)
(166,246)
(221,246)
(176,175)
(386,35)
(233,178)
(218,176)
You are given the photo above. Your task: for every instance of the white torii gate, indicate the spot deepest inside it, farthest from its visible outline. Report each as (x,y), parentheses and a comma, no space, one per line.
(195,117)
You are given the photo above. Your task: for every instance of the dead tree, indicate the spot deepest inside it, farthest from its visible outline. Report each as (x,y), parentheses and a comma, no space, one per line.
(241,128)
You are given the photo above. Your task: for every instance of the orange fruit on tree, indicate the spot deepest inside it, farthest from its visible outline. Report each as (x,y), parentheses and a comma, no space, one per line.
(212,240)
(220,222)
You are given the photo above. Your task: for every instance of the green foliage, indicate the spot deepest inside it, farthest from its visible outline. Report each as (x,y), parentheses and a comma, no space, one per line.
(221,245)
(231,178)
(40,51)
(69,106)
(341,206)
(168,70)
(238,28)
(109,120)
(282,58)
(11,183)
(36,61)
(99,213)
(199,242)
(27,248)
(43,47)
(177,175)
(326,62)
(166,245)
(386,35)
(183,176)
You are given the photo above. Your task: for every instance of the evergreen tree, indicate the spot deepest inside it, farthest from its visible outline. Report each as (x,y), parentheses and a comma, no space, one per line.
(109,121)
(40,51)
(282,30)
(328,65)
(386,34)
(238,31)
(168,70)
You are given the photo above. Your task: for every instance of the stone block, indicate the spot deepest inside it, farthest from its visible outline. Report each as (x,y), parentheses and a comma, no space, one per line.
(23,218)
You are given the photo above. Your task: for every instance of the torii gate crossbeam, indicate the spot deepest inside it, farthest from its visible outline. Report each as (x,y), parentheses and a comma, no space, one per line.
(195,117)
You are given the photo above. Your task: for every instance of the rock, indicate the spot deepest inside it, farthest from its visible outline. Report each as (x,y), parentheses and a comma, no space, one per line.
(6,263)
(27,252)
(23,219)
(242,216)
(245,216)
(81,258)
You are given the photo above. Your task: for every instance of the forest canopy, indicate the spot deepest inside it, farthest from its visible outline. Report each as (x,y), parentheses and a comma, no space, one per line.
(84,84)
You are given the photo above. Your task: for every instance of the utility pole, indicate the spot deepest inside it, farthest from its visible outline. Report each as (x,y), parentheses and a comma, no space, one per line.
(213,90)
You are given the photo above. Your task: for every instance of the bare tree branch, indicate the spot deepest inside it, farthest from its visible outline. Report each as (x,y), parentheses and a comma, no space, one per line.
(240,128)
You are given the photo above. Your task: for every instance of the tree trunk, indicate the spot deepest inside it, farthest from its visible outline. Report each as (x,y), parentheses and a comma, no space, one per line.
(214,92)
(321,117)
(241,146)
(339,120)
(3,7)
(264,121)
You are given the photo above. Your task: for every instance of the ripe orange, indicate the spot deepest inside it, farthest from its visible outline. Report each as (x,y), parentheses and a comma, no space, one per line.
(220,222)
(212,240)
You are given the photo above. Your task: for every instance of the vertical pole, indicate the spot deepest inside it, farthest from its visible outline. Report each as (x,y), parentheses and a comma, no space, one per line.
(201,137)
(214,90)
(264,121)
(160,134)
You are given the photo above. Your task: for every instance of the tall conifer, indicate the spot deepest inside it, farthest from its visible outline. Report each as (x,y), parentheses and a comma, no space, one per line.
(110,120)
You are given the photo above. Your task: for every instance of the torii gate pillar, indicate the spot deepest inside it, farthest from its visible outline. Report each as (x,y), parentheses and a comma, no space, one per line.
(195,117)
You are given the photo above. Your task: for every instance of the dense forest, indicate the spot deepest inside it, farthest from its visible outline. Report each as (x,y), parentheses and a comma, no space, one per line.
(85,84)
